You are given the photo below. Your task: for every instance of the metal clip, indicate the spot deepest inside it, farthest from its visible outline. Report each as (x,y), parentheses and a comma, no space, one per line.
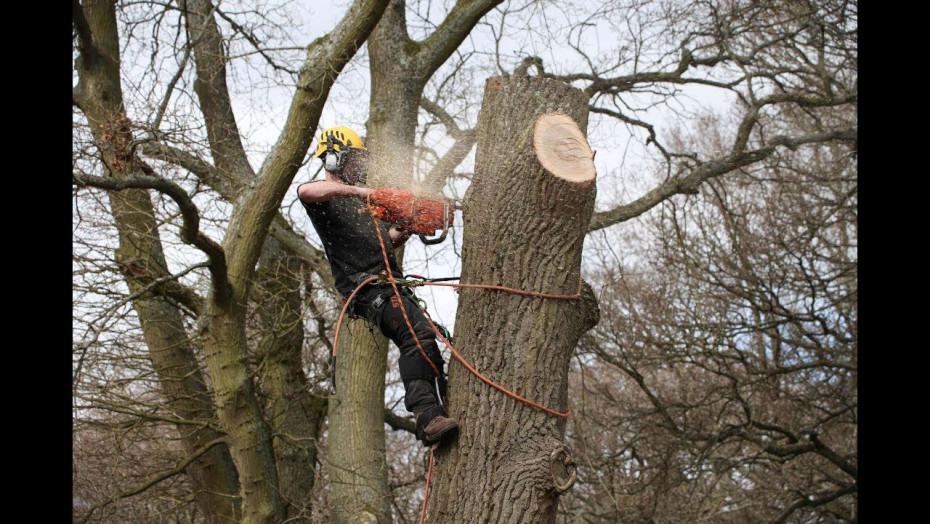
(438,394)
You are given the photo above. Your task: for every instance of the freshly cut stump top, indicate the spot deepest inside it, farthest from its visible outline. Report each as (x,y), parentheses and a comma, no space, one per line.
(562,148)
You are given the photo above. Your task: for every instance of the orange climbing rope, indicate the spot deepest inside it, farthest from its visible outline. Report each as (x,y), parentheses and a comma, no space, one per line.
(387,275)
(429,474)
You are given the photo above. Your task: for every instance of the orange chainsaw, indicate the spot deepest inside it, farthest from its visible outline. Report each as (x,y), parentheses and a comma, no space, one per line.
(421,216)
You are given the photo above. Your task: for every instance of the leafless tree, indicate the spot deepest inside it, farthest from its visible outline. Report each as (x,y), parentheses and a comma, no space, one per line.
(216,408)
(721,377)
(728,390)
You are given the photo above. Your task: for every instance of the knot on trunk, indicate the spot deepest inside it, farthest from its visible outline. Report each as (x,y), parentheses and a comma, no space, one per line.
(592,310)
(563,469)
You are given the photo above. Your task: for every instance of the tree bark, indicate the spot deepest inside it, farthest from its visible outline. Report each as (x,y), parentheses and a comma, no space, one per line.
(509,463)
(295,412)
(358,488)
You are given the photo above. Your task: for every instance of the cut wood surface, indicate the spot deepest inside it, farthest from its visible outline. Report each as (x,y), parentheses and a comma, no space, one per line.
(562,148)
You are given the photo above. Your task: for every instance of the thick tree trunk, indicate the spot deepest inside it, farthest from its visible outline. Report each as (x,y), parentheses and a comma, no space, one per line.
(295,413)
(358,489)
(239,411)
(524,227)
(213,476)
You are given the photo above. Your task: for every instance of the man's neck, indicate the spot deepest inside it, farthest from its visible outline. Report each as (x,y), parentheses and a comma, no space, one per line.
(333,178)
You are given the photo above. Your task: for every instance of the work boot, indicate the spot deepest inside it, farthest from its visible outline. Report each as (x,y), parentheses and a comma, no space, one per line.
(434,427)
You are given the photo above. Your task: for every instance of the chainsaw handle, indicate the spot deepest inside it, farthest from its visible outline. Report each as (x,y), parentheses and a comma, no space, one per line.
(437,240)
(446,211)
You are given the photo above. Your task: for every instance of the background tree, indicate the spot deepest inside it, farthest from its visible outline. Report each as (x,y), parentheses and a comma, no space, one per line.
(239,411)
(730,346)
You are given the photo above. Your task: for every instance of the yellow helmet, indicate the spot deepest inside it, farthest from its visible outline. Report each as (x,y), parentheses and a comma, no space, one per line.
(341,137)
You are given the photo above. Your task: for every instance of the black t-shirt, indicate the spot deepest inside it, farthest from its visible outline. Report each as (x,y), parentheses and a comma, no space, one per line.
(349,240)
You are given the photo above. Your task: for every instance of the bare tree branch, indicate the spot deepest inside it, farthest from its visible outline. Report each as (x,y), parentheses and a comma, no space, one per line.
(812,502)
(230,188)
(464,141)
(190,232)
(399,423)
(252,39)
(85,37)
(156,123)
(689,183)
(437,48)
(180,468)
(212,91)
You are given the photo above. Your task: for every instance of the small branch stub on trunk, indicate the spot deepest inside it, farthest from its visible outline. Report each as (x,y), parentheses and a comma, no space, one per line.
(562,148)
(563,469)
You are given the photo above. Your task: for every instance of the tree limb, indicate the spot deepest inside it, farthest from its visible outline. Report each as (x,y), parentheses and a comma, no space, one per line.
(252,39)
(464,141)
(85,36)
(156,123)
(689,184)
(190,232)
(230,188)
(812,502)
(399,423)
(326,58)
(210,86)
(437,48)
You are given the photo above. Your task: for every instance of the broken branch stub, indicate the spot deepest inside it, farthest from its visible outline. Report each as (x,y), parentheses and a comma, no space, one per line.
(562,148)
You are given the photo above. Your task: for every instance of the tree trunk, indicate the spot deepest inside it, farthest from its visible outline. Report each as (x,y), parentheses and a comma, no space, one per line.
(509,463)
(213,476)
(294,412)
(358,489)
(238,409)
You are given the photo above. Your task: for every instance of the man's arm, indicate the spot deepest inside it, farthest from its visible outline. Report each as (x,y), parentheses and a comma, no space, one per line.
(325,190)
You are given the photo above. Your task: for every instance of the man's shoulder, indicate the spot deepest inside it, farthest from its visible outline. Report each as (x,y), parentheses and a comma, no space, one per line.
(312,206)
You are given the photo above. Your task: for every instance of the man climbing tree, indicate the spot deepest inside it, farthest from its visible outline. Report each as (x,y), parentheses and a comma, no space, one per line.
(359,248)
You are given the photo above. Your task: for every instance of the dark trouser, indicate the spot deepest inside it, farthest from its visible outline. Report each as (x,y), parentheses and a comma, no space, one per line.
(379,305)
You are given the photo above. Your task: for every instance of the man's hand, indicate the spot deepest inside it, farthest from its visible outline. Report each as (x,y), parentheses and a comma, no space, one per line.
(398,234)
